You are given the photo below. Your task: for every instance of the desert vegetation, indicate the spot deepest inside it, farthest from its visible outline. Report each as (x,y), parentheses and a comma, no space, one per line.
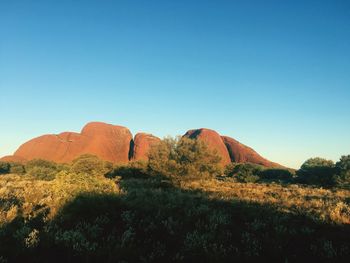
(179,206)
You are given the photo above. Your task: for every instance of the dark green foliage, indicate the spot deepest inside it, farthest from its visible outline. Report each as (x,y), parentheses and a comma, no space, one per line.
(317,171)
(41,169)
(22,238)
(88,164)
(184,158)
(344,163)
(244,172)
(17,168)
(276,175)
(4,167)
(254,173)
(10,167)
(40,163)
(62,167)
(342,177)
(228,171)
(137,169)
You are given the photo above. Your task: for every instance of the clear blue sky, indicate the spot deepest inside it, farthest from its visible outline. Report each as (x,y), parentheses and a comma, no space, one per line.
(273,74)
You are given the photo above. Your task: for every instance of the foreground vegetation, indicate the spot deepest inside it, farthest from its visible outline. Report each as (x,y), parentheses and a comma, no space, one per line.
(177,207)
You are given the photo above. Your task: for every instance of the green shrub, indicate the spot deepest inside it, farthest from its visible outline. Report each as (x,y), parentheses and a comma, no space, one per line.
(342,177)
(88,164)
(229,169)
(62,167)
(184,158)
(42,173)
(11,167)
(17,168)
(276,174)
(4,167)
(40,163)
(317,171)
(135,169)
(41,169)
(244,172)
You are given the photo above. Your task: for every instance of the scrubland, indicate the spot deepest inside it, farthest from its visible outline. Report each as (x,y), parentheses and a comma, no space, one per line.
(175,207)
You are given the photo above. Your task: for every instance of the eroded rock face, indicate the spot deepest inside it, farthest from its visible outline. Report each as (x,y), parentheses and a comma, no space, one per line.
(109,142)
(213,140)
(142,145)
(241,153)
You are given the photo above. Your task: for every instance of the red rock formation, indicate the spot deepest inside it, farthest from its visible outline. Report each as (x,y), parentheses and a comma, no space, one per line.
(114,143)
(13,159)
(229,149)
(213,140)
(241,153)
(109,142)
(142,144)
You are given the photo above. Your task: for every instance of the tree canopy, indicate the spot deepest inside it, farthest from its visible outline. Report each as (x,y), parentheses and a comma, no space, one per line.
(184,158)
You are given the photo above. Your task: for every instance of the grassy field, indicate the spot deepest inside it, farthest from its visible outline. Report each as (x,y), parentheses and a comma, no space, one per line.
(325,205)
(80,218)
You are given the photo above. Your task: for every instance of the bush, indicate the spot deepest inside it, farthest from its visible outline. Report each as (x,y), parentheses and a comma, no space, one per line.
(17,168)
(88,164)
(62,167)
(342,177)
(4,167)
(135,169)
(10,167)
(184,158)
(40,163)
(41,169)
(229,169)
(42,173)
(276,174)
(244,172)
(317,171)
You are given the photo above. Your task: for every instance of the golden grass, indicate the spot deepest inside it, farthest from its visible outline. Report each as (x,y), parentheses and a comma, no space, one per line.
(331,206)
(21,194)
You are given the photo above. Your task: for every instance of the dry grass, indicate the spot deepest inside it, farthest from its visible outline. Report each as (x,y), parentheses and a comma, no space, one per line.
(331,206)
(134,214)
(21,194)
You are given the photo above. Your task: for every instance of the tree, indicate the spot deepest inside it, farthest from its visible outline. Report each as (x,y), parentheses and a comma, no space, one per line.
(183,158)
(342,177)
(88,164)
(317,171)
